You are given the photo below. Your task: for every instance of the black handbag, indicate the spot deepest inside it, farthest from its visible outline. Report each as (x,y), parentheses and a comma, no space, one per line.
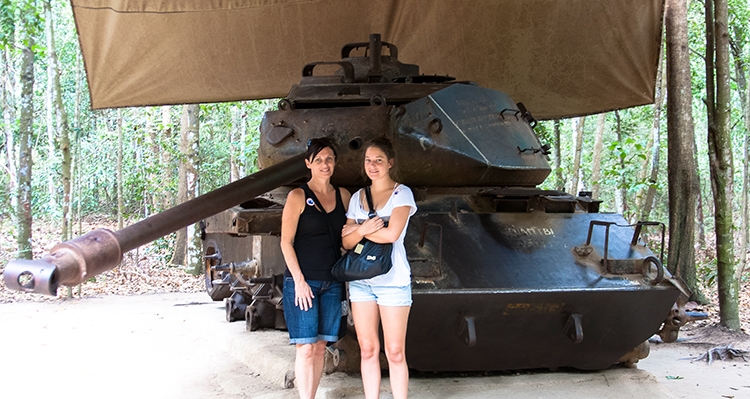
(367,259)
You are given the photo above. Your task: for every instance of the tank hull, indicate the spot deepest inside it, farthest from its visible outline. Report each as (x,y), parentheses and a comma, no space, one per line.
(517,329)
(501,290)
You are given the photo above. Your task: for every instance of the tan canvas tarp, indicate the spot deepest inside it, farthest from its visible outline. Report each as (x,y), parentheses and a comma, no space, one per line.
(560,57)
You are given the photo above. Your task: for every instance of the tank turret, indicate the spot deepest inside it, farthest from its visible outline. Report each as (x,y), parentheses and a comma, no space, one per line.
(455,133)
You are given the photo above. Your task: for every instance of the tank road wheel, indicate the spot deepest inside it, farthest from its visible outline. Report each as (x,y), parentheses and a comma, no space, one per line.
(639,352)
(260,314)
(235,306)
(229,310)
(218,283)
(252,319)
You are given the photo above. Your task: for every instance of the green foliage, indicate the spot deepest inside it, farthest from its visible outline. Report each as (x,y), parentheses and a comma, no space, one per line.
(21,16)
(545,132)
(628,156)
(7,22)
(707,272)
(6,211)
(162,248)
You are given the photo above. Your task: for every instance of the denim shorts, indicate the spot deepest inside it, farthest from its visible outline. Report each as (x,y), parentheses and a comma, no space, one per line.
(319,323)
(359,291)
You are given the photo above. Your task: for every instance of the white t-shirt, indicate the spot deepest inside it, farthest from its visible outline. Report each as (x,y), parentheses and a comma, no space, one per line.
(400,273)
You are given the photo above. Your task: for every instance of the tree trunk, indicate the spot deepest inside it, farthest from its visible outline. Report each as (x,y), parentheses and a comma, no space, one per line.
(195,244)
(75,175)
(61,118)
(648,201)
(120,202)
(10,159)
(578,124)
(234,142)
(701,218)
(744,94)
(188,177)
(152,144)
(681,166)
(560,180)
(621,195)
(49,100)
(26,127)
(243,143)
(66,165)
(596,167)
(166,198)
(721,163)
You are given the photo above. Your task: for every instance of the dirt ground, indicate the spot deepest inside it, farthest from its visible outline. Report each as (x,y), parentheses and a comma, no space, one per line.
(683,367)
(179,345)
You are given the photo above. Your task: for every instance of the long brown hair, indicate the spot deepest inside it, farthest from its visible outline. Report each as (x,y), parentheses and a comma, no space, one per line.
(385,145)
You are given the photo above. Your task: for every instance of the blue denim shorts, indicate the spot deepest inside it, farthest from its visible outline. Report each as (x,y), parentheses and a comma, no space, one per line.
(319,323)
(359,291)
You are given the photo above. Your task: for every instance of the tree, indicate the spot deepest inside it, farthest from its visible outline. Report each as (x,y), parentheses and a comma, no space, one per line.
(49,100)
(720,157)
(578,124)
(76,158)
(165,197)
(60,121)
(653,170)
(9,153)
(700,217)
(621,199)
(236,136)
(120,199)
(596,167)
(681,168)
(736,43)
(188,175)
(559,180)
(25,132)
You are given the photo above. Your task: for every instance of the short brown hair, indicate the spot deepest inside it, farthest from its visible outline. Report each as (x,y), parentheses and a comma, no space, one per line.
(316,145)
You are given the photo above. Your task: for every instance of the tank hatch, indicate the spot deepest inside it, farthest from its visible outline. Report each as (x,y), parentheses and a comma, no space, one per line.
(360,80)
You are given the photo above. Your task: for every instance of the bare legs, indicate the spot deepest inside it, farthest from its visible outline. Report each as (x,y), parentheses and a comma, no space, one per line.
(367,317)
(366,321)
(308,368)
(394,331)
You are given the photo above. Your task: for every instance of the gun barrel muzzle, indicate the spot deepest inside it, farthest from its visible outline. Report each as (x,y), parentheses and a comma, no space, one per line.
(38,276)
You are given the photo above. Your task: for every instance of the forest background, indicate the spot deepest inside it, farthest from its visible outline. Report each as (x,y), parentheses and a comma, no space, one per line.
(63,162)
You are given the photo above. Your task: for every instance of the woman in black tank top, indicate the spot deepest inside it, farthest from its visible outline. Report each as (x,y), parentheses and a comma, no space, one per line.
(311,224)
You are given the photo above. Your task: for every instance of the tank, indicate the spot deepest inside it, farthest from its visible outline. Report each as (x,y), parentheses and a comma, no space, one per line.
(505,275)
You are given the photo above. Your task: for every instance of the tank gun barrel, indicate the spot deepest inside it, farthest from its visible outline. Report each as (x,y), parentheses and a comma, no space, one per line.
(71,262)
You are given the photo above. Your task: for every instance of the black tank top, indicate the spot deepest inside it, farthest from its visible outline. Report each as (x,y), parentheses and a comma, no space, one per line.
(317,242)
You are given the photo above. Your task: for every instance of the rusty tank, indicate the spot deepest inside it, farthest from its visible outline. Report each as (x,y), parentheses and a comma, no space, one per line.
(505,275)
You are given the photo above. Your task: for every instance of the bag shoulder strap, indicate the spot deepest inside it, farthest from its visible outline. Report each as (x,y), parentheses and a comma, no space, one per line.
(371,214)
(309,192)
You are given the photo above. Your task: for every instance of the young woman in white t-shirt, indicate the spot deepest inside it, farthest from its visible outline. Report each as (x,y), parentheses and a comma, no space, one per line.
(385,298)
